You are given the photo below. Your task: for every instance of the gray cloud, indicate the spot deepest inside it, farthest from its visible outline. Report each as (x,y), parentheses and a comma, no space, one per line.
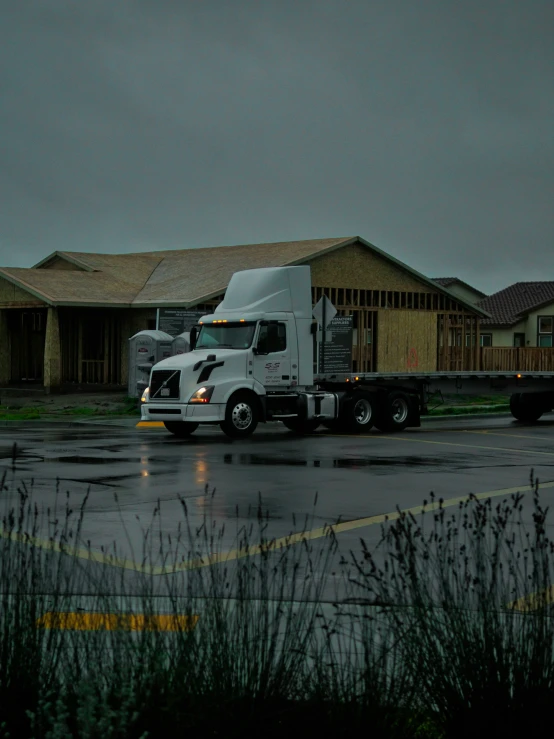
(424,127)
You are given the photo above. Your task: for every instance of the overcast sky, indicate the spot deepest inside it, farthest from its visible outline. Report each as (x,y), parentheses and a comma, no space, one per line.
(425,126)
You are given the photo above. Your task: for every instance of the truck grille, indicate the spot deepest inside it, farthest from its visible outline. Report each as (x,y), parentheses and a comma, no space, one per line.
(164,384)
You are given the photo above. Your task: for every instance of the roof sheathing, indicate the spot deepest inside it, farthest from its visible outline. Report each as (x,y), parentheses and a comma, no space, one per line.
(206,272)
(447,281)
(182,277)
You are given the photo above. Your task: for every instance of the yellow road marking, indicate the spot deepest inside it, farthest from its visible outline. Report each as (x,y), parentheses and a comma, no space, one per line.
(273,545)
(497,433)
(533,601)
(337,528)
(115,622)
(150,424)
(440,443)
(79,553)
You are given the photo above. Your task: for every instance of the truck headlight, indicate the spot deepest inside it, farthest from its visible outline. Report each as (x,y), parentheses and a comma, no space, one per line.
(202,395)
(145,396)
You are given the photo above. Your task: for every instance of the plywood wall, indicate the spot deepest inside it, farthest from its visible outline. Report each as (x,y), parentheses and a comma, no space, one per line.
(357,266)
(406,341)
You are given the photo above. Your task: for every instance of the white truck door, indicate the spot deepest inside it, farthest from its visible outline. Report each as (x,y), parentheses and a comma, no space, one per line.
(272,364)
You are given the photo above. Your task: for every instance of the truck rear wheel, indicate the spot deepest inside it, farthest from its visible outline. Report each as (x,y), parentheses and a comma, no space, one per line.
(241,415)
(525,408)
(357,413)
(300,426)
(395,412)
(181,429)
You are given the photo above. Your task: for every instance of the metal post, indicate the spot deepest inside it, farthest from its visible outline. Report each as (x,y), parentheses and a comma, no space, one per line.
(322,348)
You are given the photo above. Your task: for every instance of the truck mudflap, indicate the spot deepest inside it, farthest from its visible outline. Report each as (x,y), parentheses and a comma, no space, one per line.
(414,416)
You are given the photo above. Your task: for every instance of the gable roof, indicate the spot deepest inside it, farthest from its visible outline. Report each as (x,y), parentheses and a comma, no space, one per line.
(190,276)
(450,281)
(178,277)
(60,287)
(507,306)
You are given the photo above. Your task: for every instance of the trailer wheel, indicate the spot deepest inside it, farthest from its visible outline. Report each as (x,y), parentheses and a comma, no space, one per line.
(395,412)
(301,427)
(525,408)
(181,429)
(357,413)
(241,415)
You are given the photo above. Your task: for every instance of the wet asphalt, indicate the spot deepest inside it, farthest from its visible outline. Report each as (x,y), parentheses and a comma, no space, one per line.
(141,478)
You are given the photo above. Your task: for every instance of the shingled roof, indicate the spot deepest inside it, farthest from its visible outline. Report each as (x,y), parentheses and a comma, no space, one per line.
(508,306)
(177,277)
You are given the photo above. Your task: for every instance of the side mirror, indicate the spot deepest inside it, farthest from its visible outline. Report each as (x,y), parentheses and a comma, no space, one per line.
(193,338)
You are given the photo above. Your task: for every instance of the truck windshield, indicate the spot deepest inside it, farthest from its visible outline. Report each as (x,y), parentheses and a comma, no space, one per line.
(226,335)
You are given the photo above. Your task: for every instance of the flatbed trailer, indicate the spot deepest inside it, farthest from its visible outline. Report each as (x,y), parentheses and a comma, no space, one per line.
(531,394)
(466,383)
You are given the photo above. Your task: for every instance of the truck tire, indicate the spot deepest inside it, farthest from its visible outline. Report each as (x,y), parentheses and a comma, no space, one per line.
(181,429)
(394,415)
(241,415)
(300,426)
(525,408)
(357,413)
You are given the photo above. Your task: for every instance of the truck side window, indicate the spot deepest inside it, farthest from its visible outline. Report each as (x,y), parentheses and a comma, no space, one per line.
(272,338)
(281,337)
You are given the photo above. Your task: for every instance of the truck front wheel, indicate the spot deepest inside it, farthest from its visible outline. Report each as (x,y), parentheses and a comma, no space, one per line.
(241,415)
(525,408)
(181,429)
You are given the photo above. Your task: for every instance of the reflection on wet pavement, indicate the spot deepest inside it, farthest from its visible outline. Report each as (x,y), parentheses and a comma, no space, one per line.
(345,462)
(352,477)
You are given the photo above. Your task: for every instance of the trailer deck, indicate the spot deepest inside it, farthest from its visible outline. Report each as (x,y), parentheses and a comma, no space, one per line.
(468,383)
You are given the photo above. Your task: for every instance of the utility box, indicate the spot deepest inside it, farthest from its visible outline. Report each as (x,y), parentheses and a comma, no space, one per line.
(146,349)
(181,344)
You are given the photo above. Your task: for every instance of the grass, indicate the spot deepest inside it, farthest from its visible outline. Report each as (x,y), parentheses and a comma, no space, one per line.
(127,408)
(482,666)
(461,405)
(469,410)
(436,656)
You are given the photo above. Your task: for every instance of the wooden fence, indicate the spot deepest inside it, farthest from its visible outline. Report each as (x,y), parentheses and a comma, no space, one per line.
(512,359)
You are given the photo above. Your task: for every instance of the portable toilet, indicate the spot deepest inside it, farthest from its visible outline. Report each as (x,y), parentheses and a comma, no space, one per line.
(181,344)
(146,349)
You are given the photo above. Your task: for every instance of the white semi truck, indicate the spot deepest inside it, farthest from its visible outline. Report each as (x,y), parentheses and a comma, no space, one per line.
(252,361)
